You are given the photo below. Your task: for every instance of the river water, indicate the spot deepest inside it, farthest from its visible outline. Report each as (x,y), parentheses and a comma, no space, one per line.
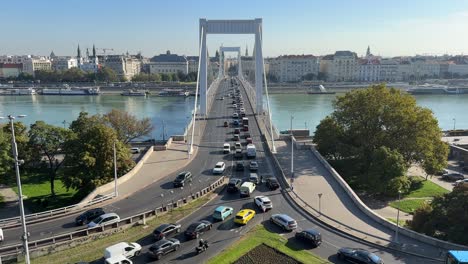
(171,114)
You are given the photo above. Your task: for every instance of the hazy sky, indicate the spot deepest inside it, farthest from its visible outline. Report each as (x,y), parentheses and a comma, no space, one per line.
(396,27)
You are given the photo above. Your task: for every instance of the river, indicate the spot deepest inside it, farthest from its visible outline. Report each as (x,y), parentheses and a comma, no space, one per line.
(173,113)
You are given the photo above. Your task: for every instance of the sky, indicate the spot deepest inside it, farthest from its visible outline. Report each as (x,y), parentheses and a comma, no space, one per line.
(390,28)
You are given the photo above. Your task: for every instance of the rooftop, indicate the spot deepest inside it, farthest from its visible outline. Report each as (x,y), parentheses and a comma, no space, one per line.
(168,57)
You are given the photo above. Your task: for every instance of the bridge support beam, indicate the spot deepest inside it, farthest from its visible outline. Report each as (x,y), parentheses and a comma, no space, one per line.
(258,67)
(203,69)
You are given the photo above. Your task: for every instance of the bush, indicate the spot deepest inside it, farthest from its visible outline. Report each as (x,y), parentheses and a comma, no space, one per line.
(396,184)
(420,221)
(416,183)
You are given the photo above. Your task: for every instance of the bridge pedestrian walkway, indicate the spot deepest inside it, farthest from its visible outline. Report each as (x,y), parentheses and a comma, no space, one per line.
(335,207)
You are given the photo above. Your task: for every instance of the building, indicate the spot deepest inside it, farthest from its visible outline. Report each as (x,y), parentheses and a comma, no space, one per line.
(10,70)
(294,68)
(169,63)
(32,65)
(124,66)
(369,69)
(325,66)
(63,63)
(192,63)
(389,70)
(344,67)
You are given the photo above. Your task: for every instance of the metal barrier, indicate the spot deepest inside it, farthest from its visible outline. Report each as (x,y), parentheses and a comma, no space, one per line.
(12,251)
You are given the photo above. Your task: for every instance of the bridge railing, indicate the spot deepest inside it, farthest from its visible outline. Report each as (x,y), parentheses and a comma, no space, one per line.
(13,251)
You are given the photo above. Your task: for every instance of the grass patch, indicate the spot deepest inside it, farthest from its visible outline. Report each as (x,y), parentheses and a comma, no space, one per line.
(408,205)
(427,189)
(259,235)
(402,222)
(36,186)
(94,249)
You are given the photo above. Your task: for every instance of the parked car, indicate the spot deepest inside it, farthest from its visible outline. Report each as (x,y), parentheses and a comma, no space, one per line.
(234,185)
(453,176)
(222,212)
(254,178)
(88,216)
(125,249)
(272,183)
(182,178)
(135,150)
(239,166)
(166,230)
(284,221)
(253,166)
(105,219)
(244,216)
(310,236)
(355,255)
(219,168)
(163,247)
(196,229)
(460,182)
(263,202)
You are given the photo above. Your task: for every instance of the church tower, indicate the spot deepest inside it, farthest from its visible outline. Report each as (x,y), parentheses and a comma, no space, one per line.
(246,51)
(368,53)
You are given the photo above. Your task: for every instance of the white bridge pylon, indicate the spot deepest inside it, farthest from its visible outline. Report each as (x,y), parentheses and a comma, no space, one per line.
(221,59)
(253,26)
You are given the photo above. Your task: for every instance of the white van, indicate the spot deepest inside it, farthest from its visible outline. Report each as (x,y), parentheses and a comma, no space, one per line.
(118,260)
(125,249)
(226,148)
(251,151)
(246,189)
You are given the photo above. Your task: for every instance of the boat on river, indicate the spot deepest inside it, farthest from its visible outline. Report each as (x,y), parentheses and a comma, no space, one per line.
(134,92)
(174,92)
(67,90)
(19,91)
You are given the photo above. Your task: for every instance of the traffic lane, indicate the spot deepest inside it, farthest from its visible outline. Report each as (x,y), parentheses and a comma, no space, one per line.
(150,197)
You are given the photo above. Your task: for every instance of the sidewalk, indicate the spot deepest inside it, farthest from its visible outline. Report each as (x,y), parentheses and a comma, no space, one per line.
(10,206)
(335,207)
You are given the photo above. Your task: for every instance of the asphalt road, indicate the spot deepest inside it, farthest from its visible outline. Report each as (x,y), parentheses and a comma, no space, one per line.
(223,233)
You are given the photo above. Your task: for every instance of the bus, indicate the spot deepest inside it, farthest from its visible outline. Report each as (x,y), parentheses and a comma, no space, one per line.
(456,257)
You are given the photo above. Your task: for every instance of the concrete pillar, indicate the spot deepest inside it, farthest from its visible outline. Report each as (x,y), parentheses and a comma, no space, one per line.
(203,69)
(258,66)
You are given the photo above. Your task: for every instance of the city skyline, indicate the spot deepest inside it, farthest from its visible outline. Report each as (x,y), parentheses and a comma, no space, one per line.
(301,27)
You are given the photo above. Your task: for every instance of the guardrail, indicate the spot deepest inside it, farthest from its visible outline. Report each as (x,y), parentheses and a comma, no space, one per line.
(41,216)
(12,252)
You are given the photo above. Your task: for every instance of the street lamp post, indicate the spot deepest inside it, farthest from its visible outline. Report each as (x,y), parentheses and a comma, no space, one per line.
(14,147)
(398,217)
(454,123)
(115,172)
(292,148)
(320,203)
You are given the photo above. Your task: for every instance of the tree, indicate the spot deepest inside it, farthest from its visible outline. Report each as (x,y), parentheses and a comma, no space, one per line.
(368,119)
(73,75)
(127,126)
(166,77)
(308,77)
(48,141)
(89,154)
(385,166)
(22,140)
(106,74)
(6,160)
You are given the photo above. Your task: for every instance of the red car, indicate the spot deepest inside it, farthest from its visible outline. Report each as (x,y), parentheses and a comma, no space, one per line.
(246,128)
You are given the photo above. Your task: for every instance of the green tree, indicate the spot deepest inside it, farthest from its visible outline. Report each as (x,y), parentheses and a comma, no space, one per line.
(48,141)
(6,160)
(106,74)
(368,119)
(127,126)
(175,77)
(23,76)
(73,75)
(308,77)
(166,77)
(89,154)
(386,165)
(22,140)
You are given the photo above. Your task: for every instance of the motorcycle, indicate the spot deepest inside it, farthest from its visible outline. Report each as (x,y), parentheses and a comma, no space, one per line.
(201,249)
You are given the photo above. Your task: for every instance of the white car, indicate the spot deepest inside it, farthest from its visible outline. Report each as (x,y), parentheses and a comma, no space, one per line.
(219,168)
(105,219)
(125,249)
(226,148)
(235,115)
(242,109)
(234,105)
(238,145)
(263,203)
(135,150)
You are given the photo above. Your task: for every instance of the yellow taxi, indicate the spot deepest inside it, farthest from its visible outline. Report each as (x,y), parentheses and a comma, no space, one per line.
(244,216)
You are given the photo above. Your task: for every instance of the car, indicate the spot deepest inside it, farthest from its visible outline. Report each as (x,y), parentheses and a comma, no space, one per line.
(310,236)
(135,150)
(239,166)
(236,137)
(222,212)
(226,148)
(249,140)
(242,109)
(222,98)
(238,145)
(238,154)
(88,216)
(235,115)
(460,182)
(198,228)
(219,168)
(244,216)
(226,123)
(272,183)
(253,166)
(253,177)
(284,221)
(166,230)
(128,250)
(119,259)
(453,176)
(236,131)
(105,219)
(356,255)
(234,105)
(243,114)
(182,178)
(234,185)
(245,128)
(263,202)
(247,135)
(236,122)
(163,247)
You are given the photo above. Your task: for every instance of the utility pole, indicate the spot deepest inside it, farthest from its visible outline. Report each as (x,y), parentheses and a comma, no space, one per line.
(292,148)
(115,172)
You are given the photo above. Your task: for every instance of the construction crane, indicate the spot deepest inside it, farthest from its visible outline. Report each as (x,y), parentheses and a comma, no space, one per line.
(104,52)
